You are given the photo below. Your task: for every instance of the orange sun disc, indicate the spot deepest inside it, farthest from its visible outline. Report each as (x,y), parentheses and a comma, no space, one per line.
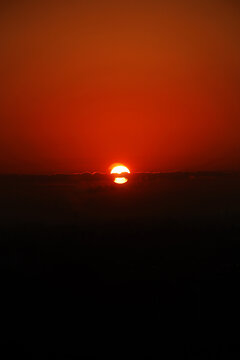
(119,169)
(120,180)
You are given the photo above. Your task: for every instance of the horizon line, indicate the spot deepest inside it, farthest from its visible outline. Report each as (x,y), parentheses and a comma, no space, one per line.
(106,173)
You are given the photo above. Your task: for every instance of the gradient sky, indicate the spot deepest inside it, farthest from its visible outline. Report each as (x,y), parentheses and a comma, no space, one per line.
(152,84)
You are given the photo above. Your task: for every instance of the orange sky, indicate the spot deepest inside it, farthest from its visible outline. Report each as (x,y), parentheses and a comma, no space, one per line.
(151,84)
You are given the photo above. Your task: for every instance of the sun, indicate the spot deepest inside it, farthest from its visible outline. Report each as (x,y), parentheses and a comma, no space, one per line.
(119,169)
(119,172)
(120,180)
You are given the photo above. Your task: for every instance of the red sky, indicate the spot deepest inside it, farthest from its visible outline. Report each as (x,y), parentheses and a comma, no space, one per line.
(152,84)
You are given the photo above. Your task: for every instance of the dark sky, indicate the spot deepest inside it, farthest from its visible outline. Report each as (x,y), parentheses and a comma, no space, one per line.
(152,84)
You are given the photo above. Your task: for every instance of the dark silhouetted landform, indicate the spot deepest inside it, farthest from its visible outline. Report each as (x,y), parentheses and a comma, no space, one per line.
(147,268)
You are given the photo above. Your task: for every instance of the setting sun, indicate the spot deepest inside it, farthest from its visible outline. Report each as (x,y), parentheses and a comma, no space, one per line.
(120,180)
(119,169)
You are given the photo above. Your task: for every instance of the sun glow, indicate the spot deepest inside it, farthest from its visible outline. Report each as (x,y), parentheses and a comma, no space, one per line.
(119,169)
(120,180)
(120,173)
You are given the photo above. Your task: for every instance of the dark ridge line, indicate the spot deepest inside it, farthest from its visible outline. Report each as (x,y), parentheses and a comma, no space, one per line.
(190,173)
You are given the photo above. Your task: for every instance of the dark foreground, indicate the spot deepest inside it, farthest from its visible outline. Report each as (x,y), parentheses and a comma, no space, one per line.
(146,269)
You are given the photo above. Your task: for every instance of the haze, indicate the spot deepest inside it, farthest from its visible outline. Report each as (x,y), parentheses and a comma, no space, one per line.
(151,84)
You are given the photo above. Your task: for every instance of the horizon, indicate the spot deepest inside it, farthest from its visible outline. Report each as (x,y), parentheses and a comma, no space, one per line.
(227,171)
